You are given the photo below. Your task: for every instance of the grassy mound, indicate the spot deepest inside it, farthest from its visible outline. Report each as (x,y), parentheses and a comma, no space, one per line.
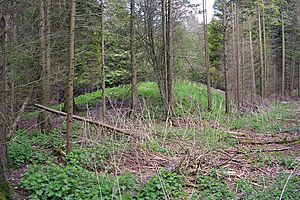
(189,97)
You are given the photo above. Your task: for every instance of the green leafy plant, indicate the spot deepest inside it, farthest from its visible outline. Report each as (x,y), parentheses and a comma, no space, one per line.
(270,188)
(72,182)
(166,185)
(19,149)
(90,157)
(212,188)
(46,140)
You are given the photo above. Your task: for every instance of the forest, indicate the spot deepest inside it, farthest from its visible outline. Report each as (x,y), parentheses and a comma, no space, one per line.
(149,99)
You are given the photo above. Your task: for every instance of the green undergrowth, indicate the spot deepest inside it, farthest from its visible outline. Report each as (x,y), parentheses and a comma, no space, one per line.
(165,185)
(19,149)
(270,188)
(74,182)
(92,157)
(189,97)
(212,187)
(209,138)
(264,121)
(5,190)
(275,159)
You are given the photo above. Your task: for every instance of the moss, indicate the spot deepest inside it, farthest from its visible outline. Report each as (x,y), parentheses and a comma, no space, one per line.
(5,190)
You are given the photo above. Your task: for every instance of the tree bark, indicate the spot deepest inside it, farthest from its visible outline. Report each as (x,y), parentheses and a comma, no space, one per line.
(71,75)
(134,89)
(170,60)
(103,87)
(225,63)
(265,50)
(262,69)
(207,64)
(237,57)
(164,36)
(253,84)
(4,186)
(45,117)
(283,56)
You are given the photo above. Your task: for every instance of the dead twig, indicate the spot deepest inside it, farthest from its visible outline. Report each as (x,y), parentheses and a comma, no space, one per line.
(287,181)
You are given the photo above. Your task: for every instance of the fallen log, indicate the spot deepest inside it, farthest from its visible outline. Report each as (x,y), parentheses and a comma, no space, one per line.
(83,119)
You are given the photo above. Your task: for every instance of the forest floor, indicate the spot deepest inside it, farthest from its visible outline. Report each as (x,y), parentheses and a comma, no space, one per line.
(198,155)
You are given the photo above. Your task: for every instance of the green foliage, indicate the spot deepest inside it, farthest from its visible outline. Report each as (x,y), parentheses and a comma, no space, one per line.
(212,188)
(90,157)
(118,77)
(156,146)
(264,121)
(166,185)
(47,140)
(270,189)
(73,182)
(189,97)
(212,139)
(19,149)
(274,159)
(5,190)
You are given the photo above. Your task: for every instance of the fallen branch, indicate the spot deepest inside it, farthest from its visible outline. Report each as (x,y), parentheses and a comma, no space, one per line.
(270,150)
(289,120)
(60,152)
(17,119)
(284,141)
(83,119)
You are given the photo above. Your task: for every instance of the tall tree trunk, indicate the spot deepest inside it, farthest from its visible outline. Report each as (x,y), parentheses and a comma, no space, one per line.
(262,69)
(164,36)
(283,56)
(4,186)
(134,90)
(265,50)
(237,57)
(298,78)
(13,76)
(71,75)
(253,84)
(103,87)
(207,64)
(45,117)
(293,76)
(158,69)
(225,63)
(170,60)
(3,100)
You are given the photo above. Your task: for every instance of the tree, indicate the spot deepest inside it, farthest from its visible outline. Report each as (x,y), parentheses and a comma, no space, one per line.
(283,55)
(207,65)
(237,56)
(103,61)
(262,69)
(4,187)
(164,47)
(252,68)
(71,70)
(134,90)
(170,59)
(45,62)
(225,62)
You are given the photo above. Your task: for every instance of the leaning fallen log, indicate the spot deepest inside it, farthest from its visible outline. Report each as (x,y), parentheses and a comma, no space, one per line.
(83,119)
